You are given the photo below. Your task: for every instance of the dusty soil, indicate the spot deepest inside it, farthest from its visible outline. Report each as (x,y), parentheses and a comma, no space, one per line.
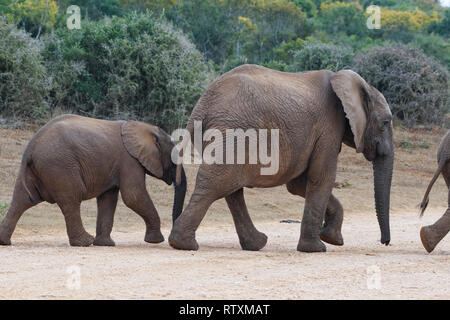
(41,265)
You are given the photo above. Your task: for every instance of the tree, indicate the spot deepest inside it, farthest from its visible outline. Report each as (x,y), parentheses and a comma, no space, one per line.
(136,67)
(342,17)
(441,27)
(34,15)
(23,78)
(94,9)
(217,28)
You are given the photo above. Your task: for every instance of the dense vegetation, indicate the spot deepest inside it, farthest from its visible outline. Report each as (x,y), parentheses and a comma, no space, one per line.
(151,59)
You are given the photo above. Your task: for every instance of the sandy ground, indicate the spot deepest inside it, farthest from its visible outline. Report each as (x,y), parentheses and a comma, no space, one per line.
(41,265)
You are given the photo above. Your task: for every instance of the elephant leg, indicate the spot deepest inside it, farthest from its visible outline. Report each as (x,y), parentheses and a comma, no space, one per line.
(208,189)
(78,237)
(19,204)
(334,214)
(431,235)
(320,181)
(106,205)
(249,237)
(135,196)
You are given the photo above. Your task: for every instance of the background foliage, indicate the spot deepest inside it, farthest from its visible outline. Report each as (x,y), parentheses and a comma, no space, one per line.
(151,59)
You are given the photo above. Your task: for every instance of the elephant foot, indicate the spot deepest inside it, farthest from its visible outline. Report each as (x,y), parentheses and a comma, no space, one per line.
(104,241)
(256,242)
(314,245)
(178,241)
(429,240)
(332,236)
(84,240)
(5,237)
(154,237)
(5,240)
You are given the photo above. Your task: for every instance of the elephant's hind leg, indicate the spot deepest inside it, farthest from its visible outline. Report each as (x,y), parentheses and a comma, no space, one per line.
(334,214)
(106,205)
(431,235)
(249,237)
(78,237)
(208,188)
(20,202)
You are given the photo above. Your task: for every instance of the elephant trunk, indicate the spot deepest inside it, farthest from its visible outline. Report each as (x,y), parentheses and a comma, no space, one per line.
(180,193)
(382,172)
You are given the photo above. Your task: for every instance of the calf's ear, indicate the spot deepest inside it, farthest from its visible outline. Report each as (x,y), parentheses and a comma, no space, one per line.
(141,141)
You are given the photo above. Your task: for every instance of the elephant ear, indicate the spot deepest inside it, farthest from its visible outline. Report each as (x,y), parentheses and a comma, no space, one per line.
(141,142)
(351,89)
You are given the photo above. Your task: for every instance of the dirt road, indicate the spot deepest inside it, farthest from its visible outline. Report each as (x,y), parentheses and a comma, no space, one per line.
(45,266)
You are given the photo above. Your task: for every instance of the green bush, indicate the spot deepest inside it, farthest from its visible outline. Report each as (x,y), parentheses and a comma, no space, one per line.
(442,27)
(230,30)
(23,83)
(342,17)
(317,56)
(135,67)
(415,86)
(435,46)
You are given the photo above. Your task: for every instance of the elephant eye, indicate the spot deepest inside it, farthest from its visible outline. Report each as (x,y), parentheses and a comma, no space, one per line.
(385,124)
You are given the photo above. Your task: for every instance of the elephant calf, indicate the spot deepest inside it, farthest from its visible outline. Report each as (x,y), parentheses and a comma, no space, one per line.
(433,234)
(75,158)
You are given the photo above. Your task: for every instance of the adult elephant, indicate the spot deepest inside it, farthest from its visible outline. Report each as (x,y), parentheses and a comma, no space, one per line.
(315,112)
(74,158)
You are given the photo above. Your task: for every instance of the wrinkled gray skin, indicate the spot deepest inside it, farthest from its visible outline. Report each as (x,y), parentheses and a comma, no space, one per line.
(315,112)
(431,235)
(74,158)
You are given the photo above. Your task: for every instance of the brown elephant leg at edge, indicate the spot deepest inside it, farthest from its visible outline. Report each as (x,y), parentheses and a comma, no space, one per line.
(19,204)
(249,237)
(431,235)
(78,237)
(106,205)
(334,214)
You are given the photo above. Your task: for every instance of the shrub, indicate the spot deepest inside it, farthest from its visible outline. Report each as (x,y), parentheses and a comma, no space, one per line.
(435,46)
(135,67)
(343,17)
(23,83)
(237,30)
(441,27)
(317,56)
(415,86)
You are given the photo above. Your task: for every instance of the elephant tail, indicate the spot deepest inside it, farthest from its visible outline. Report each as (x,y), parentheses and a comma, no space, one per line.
(25,172)
(426,199)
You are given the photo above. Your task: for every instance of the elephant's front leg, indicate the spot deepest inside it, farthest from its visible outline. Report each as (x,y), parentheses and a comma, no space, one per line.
(135,196)
(334,214)
(320,181)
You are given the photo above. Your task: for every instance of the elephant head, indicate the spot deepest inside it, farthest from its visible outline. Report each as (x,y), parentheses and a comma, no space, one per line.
(152,147)
(370,120)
